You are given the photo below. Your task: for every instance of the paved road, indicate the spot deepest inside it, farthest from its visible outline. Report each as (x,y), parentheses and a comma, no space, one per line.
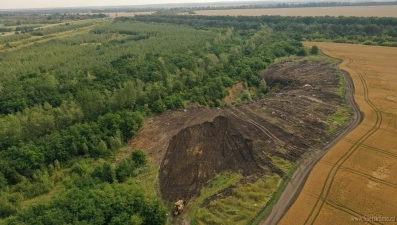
(299,178)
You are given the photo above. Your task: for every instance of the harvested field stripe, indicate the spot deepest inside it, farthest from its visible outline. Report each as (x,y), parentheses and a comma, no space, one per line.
(331,175)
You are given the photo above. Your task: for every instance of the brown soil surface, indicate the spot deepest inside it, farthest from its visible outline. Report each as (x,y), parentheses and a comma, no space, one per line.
(195,144)
(362,11)
(198,152)
(357,177)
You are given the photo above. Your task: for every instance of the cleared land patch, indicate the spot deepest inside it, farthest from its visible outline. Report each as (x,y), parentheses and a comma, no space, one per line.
(361,11)
(357,177)
(260,140)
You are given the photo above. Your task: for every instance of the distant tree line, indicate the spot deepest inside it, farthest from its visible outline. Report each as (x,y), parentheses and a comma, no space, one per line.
(372,31)
(294,5)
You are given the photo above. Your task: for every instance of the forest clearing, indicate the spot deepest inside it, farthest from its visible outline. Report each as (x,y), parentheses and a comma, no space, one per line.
(254,145)
(356,178)
(360,11)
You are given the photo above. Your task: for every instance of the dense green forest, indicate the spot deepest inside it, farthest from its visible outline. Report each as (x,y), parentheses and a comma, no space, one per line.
(68,105)
(353,30)
(83,96)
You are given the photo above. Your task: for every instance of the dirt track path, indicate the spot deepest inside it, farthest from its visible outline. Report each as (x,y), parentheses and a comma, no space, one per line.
(300,176)
(356,180)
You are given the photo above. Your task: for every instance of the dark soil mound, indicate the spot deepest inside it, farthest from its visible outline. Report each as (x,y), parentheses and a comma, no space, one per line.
(197,153)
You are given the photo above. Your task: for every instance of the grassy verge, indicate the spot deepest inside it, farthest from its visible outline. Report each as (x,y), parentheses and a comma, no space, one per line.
(343,114)
(274,198)
(281,163)
(342,86)
(148,180)
(244,203)
(220,182)
(340,116)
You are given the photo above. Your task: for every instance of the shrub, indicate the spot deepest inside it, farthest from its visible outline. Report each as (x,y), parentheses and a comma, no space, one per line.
(314,50)
(104,173)
(139,158)
(302,52)
(124,169)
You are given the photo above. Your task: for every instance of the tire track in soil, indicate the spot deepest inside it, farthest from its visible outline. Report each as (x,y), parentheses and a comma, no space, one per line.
(383,129)
(376,149)
(331,175)
(246,118)
(362,174)
(349,211)
(259,125)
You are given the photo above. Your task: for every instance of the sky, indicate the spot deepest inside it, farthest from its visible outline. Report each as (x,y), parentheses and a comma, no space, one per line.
(17,4)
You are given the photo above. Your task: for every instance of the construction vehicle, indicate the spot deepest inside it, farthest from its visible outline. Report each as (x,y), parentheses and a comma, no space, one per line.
(179,206)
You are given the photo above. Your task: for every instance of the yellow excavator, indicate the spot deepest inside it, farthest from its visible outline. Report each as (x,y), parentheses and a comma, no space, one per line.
(179,206)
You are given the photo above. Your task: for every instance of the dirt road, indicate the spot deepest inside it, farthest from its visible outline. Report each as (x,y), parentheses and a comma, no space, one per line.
(299,178)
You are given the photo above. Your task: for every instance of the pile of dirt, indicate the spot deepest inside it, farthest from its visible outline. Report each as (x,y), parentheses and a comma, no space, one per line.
(195,144)
(197,153)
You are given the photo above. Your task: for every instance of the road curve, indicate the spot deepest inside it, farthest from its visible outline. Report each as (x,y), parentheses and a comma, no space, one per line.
(295,185)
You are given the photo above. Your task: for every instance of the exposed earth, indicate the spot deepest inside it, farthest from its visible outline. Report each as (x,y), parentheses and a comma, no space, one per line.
(195,144)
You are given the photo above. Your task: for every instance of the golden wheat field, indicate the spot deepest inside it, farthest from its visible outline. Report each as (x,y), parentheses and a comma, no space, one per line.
(362,11)
(357,179)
